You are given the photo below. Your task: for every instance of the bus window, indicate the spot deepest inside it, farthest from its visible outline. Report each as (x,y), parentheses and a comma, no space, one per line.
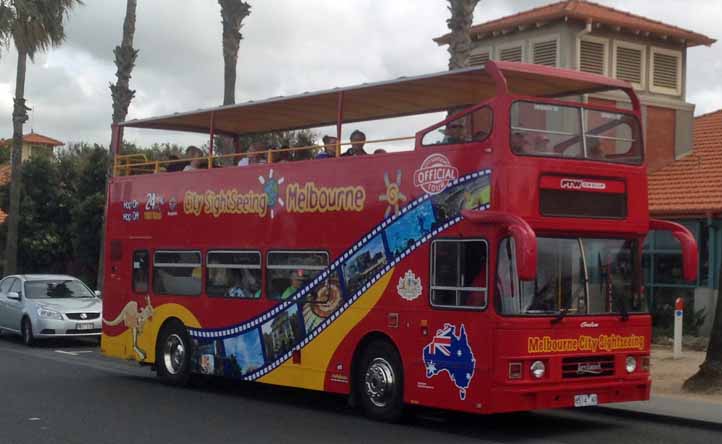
(612,137)
(177,273)
(576,276)
(507,284)
(540,129)
(290,270)
(140,271)
(233,274)
(458,273)
(472,127)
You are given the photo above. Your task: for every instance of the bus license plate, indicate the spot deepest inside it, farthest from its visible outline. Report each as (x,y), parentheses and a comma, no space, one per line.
(84,326)
(585,400)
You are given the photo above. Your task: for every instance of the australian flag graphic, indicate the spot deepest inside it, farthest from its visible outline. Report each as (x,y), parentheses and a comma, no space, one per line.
(451,353)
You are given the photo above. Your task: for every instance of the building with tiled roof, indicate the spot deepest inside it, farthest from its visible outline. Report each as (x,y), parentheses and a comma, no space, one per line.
(689,190)
(692,185)
(584,11)
(590,37)
(34,144)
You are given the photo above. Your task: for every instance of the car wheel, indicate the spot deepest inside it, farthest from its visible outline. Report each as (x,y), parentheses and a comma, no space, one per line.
(172,357)
(380,382)
(27,332)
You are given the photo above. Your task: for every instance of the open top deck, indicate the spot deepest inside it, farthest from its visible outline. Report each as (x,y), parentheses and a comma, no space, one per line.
(396,98)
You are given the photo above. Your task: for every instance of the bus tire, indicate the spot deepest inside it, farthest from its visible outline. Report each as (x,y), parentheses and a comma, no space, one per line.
(379,382)
(172,356)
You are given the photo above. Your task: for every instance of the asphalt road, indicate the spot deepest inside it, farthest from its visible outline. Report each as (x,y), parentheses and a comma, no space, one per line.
(69,393)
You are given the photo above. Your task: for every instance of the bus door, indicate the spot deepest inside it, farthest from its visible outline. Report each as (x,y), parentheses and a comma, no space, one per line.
(454,347)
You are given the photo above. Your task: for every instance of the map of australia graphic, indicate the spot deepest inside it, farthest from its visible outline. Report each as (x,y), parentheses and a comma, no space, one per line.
(450,352)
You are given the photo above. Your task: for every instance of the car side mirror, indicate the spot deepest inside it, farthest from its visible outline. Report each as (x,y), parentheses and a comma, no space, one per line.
(14,295)
(98,294)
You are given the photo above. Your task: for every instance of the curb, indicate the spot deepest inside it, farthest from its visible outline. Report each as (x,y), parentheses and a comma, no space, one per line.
(658,416)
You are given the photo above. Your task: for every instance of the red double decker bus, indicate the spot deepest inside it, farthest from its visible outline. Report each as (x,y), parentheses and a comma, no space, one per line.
(493,267)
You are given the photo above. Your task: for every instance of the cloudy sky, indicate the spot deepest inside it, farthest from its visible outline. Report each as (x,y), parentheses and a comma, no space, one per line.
(289,46)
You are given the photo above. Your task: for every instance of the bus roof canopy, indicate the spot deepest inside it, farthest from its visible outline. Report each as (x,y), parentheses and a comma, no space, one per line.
(401,97)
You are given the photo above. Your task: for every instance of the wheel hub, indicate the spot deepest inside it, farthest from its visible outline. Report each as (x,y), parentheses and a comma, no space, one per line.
(174,353)
(379,381)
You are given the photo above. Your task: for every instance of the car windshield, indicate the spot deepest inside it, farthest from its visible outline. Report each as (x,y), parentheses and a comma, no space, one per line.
(539,129)
(57,289)
(575,276)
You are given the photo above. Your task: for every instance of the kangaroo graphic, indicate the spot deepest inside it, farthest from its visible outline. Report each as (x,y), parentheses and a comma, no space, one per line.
(135,320)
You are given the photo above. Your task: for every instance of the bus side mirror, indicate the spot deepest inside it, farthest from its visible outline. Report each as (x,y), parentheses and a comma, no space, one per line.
(523,235)
(690,257)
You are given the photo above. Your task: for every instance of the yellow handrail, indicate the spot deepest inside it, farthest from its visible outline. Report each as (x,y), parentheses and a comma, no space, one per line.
(127,163)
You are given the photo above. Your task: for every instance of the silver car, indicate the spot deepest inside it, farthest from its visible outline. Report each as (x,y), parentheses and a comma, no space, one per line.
(48,306)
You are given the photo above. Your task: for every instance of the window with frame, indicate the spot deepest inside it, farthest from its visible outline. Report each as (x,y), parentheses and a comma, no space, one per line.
(629,63)
(479,57)
(459,273)
(5,285)
(545,52)
(593,55)
(233,274)
(177,272)
(140,271)
(666,76)
(289,271)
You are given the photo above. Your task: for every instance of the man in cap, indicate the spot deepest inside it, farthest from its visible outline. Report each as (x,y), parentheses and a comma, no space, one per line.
(298,277)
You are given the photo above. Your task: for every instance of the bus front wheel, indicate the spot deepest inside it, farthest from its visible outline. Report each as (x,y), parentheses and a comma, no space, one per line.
(380,382)
(172,357)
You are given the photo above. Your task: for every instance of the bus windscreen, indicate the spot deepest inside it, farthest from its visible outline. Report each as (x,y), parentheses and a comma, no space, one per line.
(578,276)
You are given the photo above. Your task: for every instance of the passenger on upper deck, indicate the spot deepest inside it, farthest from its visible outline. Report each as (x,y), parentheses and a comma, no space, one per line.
(454,133)
(195,154)
(329,147)
(175,164)
(254,155)
(358,139)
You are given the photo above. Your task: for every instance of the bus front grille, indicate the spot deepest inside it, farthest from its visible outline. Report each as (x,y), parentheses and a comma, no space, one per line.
(588,366)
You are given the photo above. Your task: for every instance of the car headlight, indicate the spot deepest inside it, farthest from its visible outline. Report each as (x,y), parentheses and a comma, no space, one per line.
(538,369)
(49,314)
(631,364)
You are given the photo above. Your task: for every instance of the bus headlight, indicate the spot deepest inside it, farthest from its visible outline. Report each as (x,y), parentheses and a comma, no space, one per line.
(538,369)
(631,364)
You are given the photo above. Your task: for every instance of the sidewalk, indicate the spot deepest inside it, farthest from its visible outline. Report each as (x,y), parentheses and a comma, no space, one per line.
(675,408)
(668,399)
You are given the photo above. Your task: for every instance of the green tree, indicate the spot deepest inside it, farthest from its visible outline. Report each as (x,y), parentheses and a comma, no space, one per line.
(32,25)
(462,16)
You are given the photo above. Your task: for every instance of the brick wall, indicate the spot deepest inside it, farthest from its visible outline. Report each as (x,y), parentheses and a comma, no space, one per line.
(660,137)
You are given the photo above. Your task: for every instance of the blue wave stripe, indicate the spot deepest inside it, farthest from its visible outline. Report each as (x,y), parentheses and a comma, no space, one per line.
(224,332)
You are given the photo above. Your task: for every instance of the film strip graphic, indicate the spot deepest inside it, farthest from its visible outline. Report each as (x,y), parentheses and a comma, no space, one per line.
(301,295)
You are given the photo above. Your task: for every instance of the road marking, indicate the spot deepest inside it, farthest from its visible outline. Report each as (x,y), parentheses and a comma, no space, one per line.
(33,419)
(73,353)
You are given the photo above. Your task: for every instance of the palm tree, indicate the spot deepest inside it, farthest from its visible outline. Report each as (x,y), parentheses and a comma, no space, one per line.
(462,16)
(232,12)
(33,25)
(125,57)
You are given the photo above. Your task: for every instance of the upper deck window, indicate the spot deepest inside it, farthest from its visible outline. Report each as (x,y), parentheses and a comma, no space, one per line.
(540,129)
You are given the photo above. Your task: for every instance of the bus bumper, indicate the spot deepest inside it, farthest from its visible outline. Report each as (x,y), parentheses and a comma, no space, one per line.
(510,399)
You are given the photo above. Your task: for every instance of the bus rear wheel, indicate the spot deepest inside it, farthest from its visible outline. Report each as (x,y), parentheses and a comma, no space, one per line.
(379,382)
(172,357)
